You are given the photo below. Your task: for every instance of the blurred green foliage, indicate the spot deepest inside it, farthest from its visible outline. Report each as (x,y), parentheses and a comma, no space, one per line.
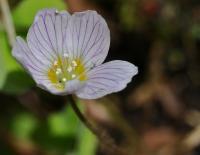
(138,25)
(24,125)
(27,9)
(11,71)
(62,133)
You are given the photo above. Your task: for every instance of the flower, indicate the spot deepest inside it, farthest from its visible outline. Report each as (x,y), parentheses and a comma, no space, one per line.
(64,55)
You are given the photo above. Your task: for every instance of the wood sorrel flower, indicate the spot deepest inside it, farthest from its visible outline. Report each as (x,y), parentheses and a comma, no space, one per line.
(64,55)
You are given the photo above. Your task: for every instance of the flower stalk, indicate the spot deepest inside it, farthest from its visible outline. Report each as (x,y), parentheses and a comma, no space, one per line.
(106,140)
(80,115)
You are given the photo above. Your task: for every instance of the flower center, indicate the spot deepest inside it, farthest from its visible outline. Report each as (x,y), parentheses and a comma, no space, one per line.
(65,69)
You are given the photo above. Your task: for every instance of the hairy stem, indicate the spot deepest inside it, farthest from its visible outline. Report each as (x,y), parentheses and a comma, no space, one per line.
(105,139)
(80,115)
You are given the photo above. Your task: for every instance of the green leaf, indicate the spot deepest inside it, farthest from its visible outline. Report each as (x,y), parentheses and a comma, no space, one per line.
(2,62)
(13,79)
(24,126)
(7,63)
(17,82)
(87,142)
(64,123)
(24,13)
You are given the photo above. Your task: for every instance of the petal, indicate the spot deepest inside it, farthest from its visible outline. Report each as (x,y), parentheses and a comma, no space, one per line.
(46,36)
(70,87)
(107,78)
(88,37)
(32,64)
(43,13)
(38,70)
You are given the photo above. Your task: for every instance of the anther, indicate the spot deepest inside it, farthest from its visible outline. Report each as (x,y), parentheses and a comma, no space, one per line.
(64,79)
(55,63)
(74,63)
(73,75)
(58,71)
(69,69)
(66,55)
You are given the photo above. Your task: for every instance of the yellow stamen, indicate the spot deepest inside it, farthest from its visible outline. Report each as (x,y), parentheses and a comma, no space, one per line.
(64,69)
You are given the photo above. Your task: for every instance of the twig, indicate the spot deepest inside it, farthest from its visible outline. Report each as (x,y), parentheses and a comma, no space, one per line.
(8,23)
(100,133)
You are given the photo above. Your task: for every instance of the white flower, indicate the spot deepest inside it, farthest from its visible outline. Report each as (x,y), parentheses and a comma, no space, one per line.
(64,55)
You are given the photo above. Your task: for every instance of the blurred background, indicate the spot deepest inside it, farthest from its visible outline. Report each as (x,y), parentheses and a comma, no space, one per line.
(157,114)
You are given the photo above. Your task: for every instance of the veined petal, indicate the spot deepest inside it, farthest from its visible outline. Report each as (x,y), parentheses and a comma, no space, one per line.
(107,78)
(47,34)
(70,87)
(88,37)
(43,13)
(38,70)
(64,53)
(32,64)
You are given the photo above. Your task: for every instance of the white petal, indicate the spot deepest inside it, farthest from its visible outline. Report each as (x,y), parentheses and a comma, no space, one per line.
(88,37)
(73,85)
(38,70)
(43,13)
(46,36)
(107,78)
(70,87)
(32,64)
